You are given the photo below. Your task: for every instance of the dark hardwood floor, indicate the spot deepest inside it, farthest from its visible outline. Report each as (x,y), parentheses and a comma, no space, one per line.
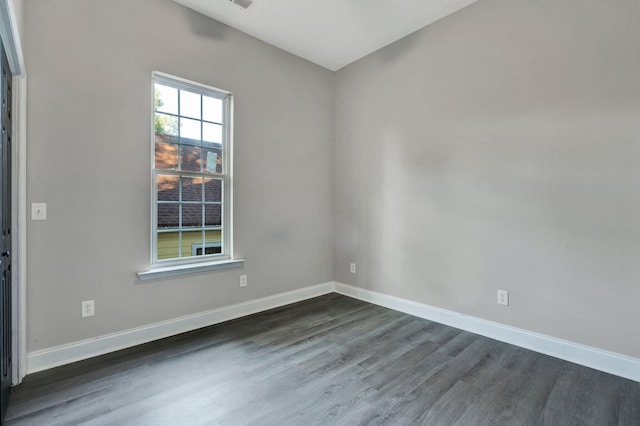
(329,360)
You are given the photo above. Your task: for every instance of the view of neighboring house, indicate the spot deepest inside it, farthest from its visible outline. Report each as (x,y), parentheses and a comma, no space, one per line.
(189,218)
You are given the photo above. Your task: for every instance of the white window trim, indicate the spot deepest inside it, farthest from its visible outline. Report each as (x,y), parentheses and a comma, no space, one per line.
(170,267)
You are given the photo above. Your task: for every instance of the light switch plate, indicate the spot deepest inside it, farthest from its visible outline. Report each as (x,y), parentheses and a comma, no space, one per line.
(38,211)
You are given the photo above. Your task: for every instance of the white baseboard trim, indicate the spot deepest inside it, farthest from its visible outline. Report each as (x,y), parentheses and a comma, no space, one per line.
(609,362)
(65,354)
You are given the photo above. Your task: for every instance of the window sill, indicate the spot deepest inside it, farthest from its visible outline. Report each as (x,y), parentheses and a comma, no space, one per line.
(175,270)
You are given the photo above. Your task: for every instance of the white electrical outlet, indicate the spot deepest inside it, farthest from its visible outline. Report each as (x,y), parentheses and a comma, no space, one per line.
(88,308)
(503,297)
(243,280)
(352,268)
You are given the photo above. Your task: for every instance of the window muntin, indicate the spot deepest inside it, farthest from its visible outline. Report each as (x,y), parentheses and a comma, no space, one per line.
(191,147)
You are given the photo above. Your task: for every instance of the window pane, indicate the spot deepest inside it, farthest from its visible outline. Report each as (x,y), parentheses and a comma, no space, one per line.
(191,240)
(213,190)
(189,104)
(168,216)
(166,99)
(168,245)
(190,130)
(211,132)
(166,153)
(213,215)
(191,189)
(166,124)
(214,237)
(212,160)
(168,188)
(186,243)
(190,158)
(192,215)
(212,109)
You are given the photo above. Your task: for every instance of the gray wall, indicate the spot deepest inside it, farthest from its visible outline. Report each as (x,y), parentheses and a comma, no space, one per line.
(89,112)
(499,149)
(18,7)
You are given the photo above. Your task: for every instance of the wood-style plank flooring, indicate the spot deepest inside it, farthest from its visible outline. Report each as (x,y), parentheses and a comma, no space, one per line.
(331,360)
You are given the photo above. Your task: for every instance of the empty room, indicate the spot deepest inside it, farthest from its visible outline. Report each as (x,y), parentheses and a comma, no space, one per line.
(337,212)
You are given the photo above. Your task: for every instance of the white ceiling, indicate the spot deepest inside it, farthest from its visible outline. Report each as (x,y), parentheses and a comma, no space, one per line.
(330,33)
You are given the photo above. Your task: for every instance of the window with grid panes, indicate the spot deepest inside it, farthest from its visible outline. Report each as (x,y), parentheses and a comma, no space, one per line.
(191,147)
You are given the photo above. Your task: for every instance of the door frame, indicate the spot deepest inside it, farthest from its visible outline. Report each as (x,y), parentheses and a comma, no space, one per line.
(10,34)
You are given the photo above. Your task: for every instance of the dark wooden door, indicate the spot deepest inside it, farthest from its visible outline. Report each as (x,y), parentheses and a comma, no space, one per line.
(5,239)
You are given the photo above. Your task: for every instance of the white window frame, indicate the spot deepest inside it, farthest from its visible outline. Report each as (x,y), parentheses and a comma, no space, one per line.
(226,176)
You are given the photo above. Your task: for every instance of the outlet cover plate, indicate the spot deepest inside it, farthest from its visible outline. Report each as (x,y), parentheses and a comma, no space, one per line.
(503,297)
(88,308)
